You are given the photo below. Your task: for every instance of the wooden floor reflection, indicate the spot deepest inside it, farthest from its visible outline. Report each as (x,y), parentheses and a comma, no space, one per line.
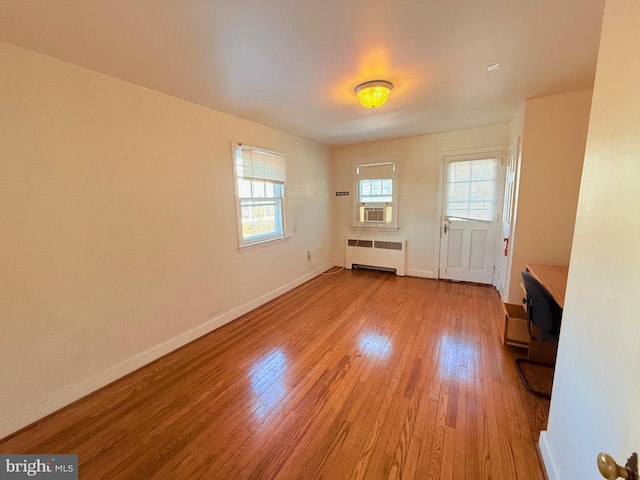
(359,375)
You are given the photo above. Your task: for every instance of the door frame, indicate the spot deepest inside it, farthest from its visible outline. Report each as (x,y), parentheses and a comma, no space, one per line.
(498,151)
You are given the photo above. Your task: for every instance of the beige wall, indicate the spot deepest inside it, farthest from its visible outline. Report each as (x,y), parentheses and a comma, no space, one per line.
(119,234)
(418,166)
(597,381)
(553,131)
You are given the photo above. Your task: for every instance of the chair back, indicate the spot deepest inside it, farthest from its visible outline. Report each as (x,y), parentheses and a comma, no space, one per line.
(542,310)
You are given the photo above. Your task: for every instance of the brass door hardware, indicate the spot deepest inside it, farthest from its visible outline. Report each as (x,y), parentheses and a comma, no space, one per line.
(611,470)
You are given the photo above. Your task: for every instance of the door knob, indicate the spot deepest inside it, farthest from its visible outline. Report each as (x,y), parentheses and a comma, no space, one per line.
(611,470)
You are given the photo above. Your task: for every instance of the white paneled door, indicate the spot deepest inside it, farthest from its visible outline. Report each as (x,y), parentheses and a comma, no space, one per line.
(467,250)
(507,216)
(471,192)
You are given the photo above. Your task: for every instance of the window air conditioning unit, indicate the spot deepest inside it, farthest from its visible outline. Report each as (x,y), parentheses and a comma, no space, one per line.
(375,214)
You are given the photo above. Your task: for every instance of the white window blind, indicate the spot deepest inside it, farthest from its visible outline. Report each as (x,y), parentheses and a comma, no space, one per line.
(472,189)
(375,170)
(261,165)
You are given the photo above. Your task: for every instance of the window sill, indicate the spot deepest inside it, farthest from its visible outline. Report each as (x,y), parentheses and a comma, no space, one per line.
(263,243)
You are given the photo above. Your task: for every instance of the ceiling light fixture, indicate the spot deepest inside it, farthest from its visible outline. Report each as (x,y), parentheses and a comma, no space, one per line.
(493,66)
(373,94)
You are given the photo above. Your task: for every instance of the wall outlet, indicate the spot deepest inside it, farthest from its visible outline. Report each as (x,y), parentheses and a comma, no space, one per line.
(308,254)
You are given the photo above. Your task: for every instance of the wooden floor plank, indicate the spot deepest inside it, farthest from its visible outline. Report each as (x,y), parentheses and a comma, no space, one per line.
(358,375)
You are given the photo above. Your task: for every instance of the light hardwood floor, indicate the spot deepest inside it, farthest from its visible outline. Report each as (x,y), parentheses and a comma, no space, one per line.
(359,375)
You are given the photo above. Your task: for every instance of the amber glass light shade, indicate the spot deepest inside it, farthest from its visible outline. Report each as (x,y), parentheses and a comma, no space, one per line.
(373,94)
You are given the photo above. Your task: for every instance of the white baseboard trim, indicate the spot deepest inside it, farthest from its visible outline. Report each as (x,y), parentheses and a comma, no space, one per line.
(412,272)
(548,459)
(89,385)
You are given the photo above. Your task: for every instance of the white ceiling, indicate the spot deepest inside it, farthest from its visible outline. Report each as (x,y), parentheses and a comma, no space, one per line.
(293,64)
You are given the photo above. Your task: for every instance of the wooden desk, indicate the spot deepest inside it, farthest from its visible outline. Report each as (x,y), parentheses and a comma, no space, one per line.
(552,277)
(513,326)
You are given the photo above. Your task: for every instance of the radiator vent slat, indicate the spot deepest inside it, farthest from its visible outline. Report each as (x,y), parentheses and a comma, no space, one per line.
(388,245)
(360,243)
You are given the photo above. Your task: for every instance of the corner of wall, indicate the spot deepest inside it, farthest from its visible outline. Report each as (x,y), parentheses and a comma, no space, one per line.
(548,458)
(517,123)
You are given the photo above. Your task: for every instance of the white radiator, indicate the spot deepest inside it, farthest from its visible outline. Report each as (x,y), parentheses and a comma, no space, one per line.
(376,253)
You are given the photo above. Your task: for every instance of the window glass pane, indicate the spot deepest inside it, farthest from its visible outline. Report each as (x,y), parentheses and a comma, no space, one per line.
(259,218)
(244,188)
(365,187)
(258,189)
(462,212)
(269,190)
(480,210)
(481,170)
(461,172)
(378,190)
(481,190)
(472,189)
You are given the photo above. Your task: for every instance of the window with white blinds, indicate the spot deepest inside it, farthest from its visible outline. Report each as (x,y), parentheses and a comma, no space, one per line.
(260,187)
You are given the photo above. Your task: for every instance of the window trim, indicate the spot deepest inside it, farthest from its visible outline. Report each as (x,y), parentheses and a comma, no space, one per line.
(266,239)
